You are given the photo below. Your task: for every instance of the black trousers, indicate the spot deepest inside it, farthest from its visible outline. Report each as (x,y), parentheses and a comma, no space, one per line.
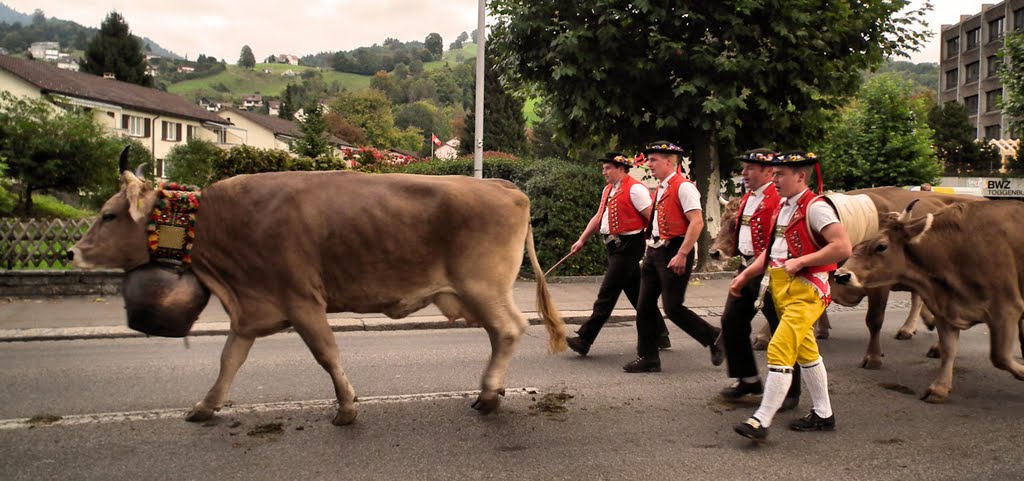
(736,330)
(656,280)
(623,275)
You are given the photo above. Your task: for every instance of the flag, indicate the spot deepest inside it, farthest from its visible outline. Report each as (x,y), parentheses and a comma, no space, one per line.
(435,140)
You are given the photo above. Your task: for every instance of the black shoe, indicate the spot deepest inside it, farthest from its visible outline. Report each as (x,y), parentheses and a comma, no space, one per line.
(579,345)
(789,404)
(751,429)
(664,342)
(741,389)
(643,364)
(717,349)
(813,422)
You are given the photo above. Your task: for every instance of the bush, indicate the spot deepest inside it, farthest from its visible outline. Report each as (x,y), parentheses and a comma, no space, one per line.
(50,207)
(559,207)
(243,159)
(192,162)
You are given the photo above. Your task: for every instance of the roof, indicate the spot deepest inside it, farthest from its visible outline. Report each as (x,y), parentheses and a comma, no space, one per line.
(50,79)
(277,125)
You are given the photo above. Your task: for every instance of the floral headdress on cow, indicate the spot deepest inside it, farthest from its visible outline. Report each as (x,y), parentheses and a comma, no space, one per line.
(172,225)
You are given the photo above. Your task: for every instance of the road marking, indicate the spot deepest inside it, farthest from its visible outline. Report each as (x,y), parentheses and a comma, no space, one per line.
(156,414)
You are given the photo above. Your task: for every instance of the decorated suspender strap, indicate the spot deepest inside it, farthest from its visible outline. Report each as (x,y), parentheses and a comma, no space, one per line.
(172,225)
(766,280)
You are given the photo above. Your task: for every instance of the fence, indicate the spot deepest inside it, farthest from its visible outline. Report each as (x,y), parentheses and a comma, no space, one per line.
(39,243)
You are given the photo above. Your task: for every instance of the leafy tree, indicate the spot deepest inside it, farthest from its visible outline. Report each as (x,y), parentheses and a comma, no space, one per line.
(882,139)
(247,59)
(369,110)
(410,139)
(387,84)
(546,141)
(954,140)
(49,149)
(314,142)
(1011,73)
(717,77)
(426,117)
(505,126)
(287,110)
(434,45)
(7,199)
(344,130)
(192,162)
(114,49)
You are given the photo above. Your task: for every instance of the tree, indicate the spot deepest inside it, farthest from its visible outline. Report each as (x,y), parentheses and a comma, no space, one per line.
(505,127)
(192,162)
(882,139)
(370,110)
(435,45)
(954,140)
(115,50)
(287,110)
(247,59)
(1011,73)
(314,142)
(49,149)
(717,77)
(344,130)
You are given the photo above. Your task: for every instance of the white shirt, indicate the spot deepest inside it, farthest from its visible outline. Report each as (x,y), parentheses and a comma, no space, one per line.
(819,215)
(638,195)
(689,198)
(746,242)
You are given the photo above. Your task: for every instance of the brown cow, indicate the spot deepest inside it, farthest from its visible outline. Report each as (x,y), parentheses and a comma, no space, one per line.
(884,200)
(967,263)
(283,249)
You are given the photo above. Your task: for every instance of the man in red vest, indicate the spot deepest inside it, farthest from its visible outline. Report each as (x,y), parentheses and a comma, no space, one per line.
(754,231)
(808,241)
(675,225)
(621,217)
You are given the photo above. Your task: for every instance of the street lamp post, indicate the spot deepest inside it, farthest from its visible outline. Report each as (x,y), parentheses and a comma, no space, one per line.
(478,148)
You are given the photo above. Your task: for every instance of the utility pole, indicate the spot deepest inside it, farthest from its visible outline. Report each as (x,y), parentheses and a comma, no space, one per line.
(478,149)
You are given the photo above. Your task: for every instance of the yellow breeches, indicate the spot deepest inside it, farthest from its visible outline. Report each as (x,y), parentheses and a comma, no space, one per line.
(798,305)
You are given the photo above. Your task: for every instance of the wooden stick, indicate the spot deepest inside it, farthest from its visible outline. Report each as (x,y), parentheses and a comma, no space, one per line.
(558,264)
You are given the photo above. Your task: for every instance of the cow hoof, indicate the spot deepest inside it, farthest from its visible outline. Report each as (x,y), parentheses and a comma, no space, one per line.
(933,352)
(199,414)
(344,418)
(904,335)
(933,396)
(871,363)
(486,405)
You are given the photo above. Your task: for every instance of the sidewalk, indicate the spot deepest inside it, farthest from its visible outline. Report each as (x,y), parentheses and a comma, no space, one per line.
(104,317)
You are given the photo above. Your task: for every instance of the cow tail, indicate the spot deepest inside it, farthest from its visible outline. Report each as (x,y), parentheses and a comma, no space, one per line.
(545,307)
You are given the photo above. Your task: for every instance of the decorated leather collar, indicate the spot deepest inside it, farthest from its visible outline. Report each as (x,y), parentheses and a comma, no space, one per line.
(172,225)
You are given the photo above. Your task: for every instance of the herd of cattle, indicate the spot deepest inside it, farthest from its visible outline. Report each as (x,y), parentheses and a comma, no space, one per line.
(284,249)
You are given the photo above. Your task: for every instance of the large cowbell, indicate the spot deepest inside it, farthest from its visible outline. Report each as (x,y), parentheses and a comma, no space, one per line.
(163,301)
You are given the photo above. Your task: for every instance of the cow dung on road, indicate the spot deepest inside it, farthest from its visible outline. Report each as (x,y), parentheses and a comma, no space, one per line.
(163,301)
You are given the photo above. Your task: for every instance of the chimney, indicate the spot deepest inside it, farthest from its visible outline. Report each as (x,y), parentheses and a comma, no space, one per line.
(109,75)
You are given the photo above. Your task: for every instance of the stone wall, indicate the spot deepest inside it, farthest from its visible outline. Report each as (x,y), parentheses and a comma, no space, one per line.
(60,283)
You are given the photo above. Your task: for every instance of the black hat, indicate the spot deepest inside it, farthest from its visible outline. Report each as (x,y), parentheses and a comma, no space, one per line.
(795,158)
(663,147)
(758,156)
(619,159)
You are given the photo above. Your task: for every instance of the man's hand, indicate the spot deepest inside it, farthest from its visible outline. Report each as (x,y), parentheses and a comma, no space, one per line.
(738,283)
(793,266)
(678,264)
(576,248)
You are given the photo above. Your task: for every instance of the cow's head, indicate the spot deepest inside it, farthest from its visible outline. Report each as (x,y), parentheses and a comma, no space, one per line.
(118,238)
(881,260)
(724,245)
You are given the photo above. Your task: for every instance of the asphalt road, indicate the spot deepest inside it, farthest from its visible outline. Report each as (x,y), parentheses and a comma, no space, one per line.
(113,409)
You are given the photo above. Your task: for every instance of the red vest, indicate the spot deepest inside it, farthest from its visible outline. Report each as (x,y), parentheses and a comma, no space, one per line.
(622,215)
(672,222)
(800,239)
(760,220)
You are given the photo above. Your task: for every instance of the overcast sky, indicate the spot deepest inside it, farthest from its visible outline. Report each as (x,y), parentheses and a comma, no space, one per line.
(302,27)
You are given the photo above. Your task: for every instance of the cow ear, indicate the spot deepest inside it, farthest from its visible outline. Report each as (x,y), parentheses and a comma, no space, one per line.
(888,219)
(139,203)
(916,229)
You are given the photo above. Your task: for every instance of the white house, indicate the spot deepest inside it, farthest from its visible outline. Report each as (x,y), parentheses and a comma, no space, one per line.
(448,151)
(45,51)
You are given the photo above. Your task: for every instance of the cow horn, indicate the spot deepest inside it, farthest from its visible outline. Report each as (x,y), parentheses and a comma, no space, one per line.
(124,158)
(140,171)
(908,212)
(721,200)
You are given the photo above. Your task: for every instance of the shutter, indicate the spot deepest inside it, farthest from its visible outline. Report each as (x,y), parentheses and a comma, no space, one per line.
(177,137)
(124,121)
(146,127)
(163,130)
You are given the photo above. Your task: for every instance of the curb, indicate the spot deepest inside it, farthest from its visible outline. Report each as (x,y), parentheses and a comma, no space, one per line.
(337,325)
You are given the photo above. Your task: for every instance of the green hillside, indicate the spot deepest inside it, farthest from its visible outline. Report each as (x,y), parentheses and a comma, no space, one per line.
(237,81)
(453,57)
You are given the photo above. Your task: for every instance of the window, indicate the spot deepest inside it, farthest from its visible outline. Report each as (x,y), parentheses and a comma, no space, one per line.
(993,132)
(135,126)
(952,47)
(974,38)
(993,65)
(992,100)
(160,167)
(192,132)
(1018,19)
(971,104)
(972,72)
(995,29)
(171,131)
(951,78)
